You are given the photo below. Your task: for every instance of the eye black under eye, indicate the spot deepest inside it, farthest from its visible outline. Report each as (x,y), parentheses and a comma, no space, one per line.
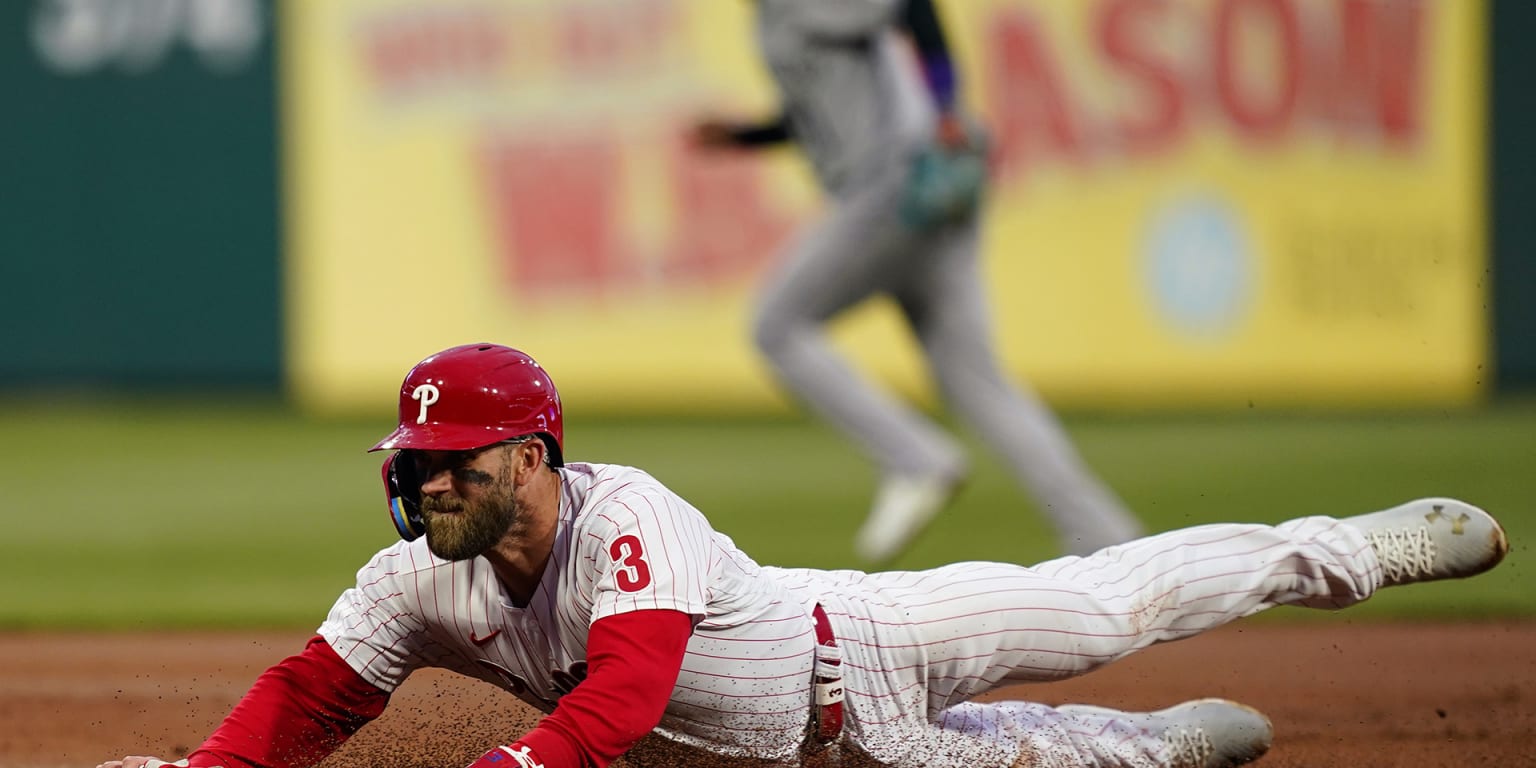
(475,476)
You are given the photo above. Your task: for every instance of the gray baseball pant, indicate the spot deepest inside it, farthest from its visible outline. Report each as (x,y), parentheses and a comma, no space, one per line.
(859,248)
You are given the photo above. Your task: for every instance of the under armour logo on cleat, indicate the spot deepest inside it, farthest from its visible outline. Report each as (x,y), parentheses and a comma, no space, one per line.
(1458,524)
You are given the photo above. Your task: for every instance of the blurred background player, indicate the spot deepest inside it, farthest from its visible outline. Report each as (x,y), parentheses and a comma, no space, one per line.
(862,106)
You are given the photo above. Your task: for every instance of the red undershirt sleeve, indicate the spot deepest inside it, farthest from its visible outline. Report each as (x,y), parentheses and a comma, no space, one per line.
(633,660)
(295,714)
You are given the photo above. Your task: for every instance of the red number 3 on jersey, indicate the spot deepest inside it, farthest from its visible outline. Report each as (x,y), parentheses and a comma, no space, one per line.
(634,573)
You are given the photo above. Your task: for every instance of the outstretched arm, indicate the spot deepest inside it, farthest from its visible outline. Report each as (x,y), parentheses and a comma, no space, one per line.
(920,21)
(633,660)
(295,714)
(725,134)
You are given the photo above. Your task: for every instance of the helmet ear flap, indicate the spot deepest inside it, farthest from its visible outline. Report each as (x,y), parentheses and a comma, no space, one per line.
(402,489)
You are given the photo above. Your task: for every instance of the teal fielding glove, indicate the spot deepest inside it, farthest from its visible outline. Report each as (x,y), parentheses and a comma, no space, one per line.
(945,183)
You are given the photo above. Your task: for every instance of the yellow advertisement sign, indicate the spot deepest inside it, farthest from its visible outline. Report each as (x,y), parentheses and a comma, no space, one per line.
(1198,202)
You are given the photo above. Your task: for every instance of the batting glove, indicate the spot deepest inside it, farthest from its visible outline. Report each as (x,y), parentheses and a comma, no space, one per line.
(514,755)
(145,762)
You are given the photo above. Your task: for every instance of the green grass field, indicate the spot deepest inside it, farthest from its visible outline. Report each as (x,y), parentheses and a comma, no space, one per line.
(141,516)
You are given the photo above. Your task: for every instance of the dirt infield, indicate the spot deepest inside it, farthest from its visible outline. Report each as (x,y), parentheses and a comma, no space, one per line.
(1340,694)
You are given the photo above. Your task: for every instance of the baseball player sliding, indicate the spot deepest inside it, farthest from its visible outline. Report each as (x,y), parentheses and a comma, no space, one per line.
(869,93)
(597,595)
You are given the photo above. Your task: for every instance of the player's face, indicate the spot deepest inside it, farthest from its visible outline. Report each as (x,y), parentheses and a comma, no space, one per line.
(467,500)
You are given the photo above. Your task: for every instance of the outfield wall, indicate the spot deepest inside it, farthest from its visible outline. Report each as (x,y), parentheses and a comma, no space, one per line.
(138,174)
(1513,177)
(1200,202)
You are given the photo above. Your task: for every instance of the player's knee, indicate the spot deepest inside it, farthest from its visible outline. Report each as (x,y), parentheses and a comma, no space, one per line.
(772,331)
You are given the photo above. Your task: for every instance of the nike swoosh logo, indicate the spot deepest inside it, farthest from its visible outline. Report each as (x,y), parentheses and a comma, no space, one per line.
(483,640)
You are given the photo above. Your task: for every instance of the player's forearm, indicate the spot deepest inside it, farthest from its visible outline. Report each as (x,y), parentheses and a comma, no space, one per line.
(920,20)
(633,662)
(765,134)
(295,714)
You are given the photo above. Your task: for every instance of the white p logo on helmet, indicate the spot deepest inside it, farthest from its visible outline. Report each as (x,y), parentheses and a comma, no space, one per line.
(426,394)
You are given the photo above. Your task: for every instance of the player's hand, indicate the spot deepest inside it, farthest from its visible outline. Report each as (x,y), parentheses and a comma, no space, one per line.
(514,755)
(713,133)
(135,761)
(951,132)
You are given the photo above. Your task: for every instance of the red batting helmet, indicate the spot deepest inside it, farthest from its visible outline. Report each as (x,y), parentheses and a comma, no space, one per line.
(475,395)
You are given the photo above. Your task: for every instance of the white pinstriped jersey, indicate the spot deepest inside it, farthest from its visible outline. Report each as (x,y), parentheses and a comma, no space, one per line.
(916,646)
(625,542)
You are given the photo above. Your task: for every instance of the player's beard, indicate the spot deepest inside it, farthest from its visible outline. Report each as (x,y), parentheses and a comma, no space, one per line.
(459,530)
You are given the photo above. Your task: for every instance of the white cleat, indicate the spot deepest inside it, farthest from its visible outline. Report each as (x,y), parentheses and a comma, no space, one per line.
(904,506)
(1204,733)
(1431,539)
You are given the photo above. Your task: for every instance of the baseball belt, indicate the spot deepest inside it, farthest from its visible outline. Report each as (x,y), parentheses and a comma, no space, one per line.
(827,711)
